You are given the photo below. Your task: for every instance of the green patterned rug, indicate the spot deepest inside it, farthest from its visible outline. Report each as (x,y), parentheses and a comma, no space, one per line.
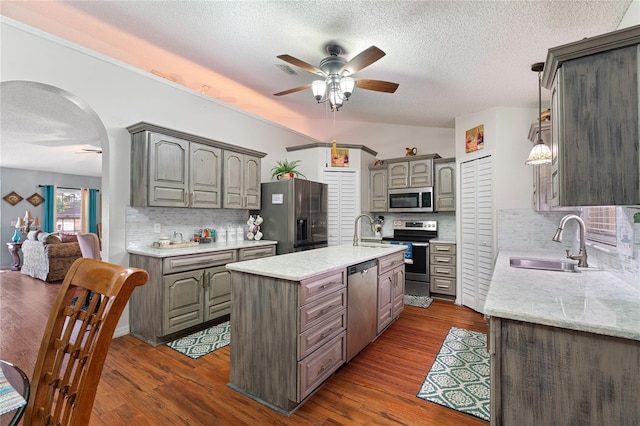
(419,301)
(201,343)
(459,377)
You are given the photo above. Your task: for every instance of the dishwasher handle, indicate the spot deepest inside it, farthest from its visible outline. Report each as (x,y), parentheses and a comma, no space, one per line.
(362,267)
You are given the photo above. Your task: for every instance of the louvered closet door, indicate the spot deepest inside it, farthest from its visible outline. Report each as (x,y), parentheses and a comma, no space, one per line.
(343,205)
(477,231)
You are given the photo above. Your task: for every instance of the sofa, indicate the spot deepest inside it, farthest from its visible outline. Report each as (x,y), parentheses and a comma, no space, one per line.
(46,257)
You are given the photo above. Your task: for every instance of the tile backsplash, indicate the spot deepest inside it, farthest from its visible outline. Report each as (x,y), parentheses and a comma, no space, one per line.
(524,229)
(140,222)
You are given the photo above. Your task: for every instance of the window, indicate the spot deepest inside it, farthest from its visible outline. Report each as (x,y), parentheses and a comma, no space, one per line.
(601,224)
(68,210)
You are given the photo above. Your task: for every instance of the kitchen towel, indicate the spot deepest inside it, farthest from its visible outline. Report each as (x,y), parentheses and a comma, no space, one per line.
(408,252)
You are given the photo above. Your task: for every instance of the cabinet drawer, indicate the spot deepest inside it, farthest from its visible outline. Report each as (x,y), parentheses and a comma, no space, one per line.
(317,336)
(256,252)
(443,270)
(389,262)
(198,261)
(443,285)
(317,367)
(317,287)
(318,311)
(442,248)
(443,259)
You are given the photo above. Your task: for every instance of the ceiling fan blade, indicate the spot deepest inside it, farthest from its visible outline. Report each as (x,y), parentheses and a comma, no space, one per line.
(295,89)
(362,60)
(376,85)
(301,64)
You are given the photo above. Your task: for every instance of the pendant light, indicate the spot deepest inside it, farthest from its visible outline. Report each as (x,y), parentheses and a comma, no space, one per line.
(540,153)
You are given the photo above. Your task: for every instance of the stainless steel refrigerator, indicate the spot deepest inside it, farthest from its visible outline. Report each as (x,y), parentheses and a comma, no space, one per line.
(295,214)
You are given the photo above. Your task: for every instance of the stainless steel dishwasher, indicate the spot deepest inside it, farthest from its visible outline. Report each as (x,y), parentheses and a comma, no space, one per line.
(362,302)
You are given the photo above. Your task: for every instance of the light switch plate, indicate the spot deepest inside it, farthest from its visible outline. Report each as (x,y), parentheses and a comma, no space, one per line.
(156,228)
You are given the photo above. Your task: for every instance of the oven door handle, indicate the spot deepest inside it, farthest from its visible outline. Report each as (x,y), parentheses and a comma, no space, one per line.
(420,244)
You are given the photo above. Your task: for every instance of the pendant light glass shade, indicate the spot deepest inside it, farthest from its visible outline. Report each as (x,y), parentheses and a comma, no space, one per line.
(540,153)
(347,85)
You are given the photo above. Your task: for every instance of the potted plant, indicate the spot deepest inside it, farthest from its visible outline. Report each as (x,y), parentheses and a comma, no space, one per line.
(286,169)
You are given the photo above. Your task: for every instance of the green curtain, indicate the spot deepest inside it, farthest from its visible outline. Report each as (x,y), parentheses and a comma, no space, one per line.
(93,211)
(49,195)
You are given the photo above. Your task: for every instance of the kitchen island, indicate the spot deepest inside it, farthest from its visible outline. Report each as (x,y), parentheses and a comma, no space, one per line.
(289,318)
(565,347)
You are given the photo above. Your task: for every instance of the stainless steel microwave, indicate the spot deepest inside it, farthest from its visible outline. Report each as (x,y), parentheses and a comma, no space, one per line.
(411,199)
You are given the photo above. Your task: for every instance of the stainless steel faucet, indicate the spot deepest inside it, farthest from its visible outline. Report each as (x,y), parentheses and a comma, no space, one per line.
(581,257)
(355,227)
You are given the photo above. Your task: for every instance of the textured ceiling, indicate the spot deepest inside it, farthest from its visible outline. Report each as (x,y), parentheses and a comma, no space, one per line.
(450,58)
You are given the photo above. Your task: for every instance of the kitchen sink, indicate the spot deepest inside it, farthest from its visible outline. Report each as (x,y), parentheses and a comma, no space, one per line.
(545,264)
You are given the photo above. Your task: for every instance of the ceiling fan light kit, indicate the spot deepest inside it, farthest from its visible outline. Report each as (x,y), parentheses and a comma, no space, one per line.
(338,85)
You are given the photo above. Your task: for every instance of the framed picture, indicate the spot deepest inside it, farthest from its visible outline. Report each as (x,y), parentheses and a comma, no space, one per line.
(474,138)
(36,199)
(12,198)
(341,159)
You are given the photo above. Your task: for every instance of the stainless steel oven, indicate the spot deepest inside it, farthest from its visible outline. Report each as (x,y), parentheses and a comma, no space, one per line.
(416,235)
(411,199)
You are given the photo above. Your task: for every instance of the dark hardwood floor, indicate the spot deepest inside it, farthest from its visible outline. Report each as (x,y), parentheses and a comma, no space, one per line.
(142,385)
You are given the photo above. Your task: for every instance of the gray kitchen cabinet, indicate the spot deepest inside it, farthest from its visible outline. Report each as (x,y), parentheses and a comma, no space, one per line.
(595,137)
(390,289)
(378,178)
(411,174)
(241,181)
(179,173)
(184,293)
(543,375)
(442,265)
(176,169)
(445,184)
(289,337)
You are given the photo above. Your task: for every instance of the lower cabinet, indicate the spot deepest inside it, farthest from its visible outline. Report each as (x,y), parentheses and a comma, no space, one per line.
(442,259)
(390,289)
(287,337)
(184,292)
(543,375)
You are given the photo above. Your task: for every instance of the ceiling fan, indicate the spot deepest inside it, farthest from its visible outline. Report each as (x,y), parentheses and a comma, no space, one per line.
(338,84)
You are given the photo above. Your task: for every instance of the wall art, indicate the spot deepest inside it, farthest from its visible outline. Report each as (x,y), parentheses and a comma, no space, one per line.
(475,138)
(36,199)
(12,198)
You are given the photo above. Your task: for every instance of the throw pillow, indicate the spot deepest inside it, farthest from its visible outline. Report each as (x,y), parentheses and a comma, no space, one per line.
(33,235)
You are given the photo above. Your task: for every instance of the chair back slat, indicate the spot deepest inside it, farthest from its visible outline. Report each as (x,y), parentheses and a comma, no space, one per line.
(76,341)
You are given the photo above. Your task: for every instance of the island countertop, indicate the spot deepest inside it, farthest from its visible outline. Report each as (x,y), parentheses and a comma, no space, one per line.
(593,300)
(201,248)
(306,264)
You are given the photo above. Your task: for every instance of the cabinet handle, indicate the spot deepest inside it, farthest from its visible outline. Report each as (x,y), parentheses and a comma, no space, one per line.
(327,309)
(326,333)
(326,365)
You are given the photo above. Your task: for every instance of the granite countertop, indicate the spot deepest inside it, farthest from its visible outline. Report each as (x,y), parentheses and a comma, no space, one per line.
(593,300)
(438,240)
(202,248)
(307,264)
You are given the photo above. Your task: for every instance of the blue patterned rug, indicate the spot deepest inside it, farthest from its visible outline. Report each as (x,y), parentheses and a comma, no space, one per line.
(459,377)
(201,343)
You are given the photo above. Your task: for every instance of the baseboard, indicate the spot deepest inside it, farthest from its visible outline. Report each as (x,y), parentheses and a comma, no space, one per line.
(121,331)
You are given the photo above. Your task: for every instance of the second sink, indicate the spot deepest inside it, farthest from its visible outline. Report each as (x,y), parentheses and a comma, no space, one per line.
(545,264)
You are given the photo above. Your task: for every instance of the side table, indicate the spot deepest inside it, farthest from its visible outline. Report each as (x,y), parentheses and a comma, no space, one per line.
(14,249)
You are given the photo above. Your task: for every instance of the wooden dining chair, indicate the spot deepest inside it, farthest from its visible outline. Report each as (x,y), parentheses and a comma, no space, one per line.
(76,341)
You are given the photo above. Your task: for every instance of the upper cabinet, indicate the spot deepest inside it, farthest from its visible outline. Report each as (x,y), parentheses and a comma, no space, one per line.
(411,172)
(378,178)
(445,184)
(176,169)
(241,181)
(595,135)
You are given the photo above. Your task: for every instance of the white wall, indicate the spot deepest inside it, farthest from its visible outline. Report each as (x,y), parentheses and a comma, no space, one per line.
(388,140)
(121,96)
